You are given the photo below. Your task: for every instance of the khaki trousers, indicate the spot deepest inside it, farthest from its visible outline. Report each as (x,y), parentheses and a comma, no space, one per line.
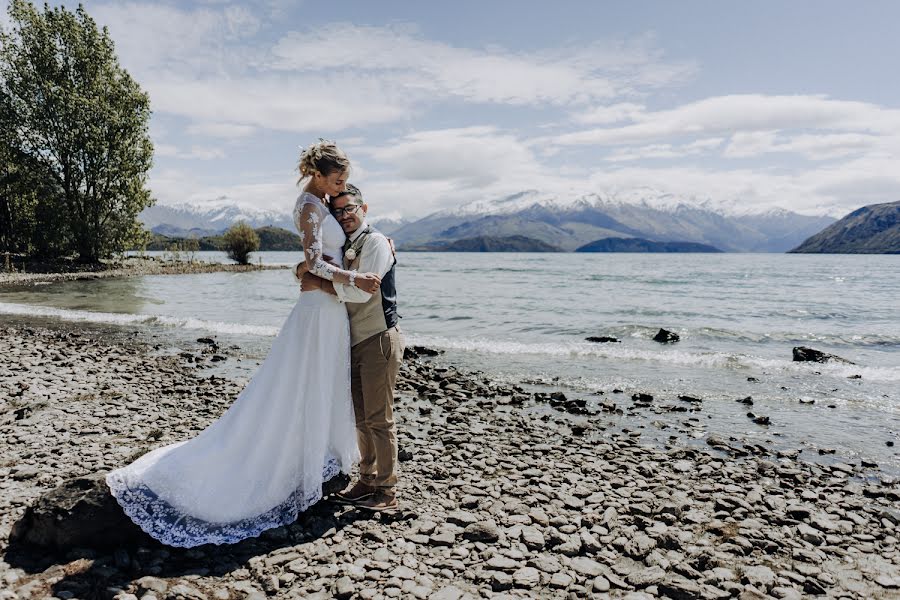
(375,363)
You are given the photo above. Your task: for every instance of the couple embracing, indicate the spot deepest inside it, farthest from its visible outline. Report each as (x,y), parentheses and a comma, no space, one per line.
(321,401)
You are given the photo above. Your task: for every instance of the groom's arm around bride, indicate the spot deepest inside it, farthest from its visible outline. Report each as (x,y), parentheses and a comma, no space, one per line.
(376,352)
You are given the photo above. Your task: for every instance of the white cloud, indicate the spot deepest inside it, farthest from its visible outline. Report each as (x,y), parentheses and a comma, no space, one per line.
(223,130)
(614,113)
(277,102)
(196,152)
(666,150)
(472,156)
(834,189)
(493,75)
(750,143)
(177,186)
(428,170)
(812,146)
(751,112)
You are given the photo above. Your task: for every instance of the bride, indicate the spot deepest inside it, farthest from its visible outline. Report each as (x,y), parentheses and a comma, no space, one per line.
(292,428)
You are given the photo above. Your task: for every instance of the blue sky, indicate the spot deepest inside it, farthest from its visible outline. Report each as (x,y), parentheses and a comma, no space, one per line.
(754,105)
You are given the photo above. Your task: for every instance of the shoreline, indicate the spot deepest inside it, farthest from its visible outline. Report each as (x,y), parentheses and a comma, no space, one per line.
(503,491)
(129,267)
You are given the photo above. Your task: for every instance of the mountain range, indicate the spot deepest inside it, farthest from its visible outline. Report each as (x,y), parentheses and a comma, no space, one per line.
(574,222)
(547,220)
(873,229)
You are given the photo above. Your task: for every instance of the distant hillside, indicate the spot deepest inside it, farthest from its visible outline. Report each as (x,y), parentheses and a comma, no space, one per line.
(276,238)
(642,245)
(873,229)
(511,243)
(270,238)
(572,222)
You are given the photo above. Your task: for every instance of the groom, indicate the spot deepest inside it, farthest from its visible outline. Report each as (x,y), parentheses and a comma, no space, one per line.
(375,354)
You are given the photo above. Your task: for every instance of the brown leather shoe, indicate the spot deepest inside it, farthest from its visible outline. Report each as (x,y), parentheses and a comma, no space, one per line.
(379,501)
(359,491)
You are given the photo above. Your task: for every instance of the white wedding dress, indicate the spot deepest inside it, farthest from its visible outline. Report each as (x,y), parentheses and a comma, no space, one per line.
(291,429)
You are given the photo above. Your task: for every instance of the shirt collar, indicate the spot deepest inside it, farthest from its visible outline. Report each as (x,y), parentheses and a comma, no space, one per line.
(353,236)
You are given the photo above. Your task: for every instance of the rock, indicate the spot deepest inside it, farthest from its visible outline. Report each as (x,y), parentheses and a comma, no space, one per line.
(402,572)
(809,534)
(500,581)
(560,581)
(533,538)
(450,592)
(602,339)
(344,588)
(691,399)
(760,577)
(502,563)
(586,566)
(151,584)
(182,590)
(417,351)
(546,563)
(526,577)
(639,546)
(751,593)
(798,511)
(462,517)
(643,577)
(482,531)
(679,588)
(442,539)
(891,514)
(664,336)
(804,354)
(80,513)
(600,584)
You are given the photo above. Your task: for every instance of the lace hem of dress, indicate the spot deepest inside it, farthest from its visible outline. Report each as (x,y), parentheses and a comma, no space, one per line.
(170,526)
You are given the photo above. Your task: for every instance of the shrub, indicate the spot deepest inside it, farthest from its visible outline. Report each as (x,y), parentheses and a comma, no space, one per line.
(240,241)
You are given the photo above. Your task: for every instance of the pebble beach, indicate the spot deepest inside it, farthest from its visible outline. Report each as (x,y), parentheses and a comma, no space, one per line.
(506,492)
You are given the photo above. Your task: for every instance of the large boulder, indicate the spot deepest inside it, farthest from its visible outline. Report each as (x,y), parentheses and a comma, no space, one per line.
(664,336)
(411,352)
(602,339)
(804,354)
(82,513)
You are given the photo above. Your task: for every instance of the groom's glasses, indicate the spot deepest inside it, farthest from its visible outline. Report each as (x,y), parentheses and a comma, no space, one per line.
(349,209)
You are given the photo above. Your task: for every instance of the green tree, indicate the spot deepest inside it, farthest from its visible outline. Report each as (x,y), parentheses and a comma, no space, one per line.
(240,241)
(74,116)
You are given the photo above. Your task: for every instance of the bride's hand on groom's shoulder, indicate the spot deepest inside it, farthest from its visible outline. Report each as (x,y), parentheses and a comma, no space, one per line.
(368,282)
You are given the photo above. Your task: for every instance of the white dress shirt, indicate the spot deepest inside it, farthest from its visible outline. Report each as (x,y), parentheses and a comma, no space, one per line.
(375,257)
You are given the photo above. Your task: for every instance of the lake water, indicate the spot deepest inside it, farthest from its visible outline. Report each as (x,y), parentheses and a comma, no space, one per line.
(525,316)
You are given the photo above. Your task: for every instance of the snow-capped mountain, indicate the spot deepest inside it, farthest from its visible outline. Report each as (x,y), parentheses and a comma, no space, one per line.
(572,221)
(185,220)
(172,219)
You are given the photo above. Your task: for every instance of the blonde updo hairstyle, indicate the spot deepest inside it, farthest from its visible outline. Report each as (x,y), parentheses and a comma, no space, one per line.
(323,157)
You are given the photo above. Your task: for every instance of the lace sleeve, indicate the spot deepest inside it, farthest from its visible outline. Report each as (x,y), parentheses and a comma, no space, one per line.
(308,220)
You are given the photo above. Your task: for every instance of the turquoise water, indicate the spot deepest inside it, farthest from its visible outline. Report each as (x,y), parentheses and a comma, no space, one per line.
(525,316)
